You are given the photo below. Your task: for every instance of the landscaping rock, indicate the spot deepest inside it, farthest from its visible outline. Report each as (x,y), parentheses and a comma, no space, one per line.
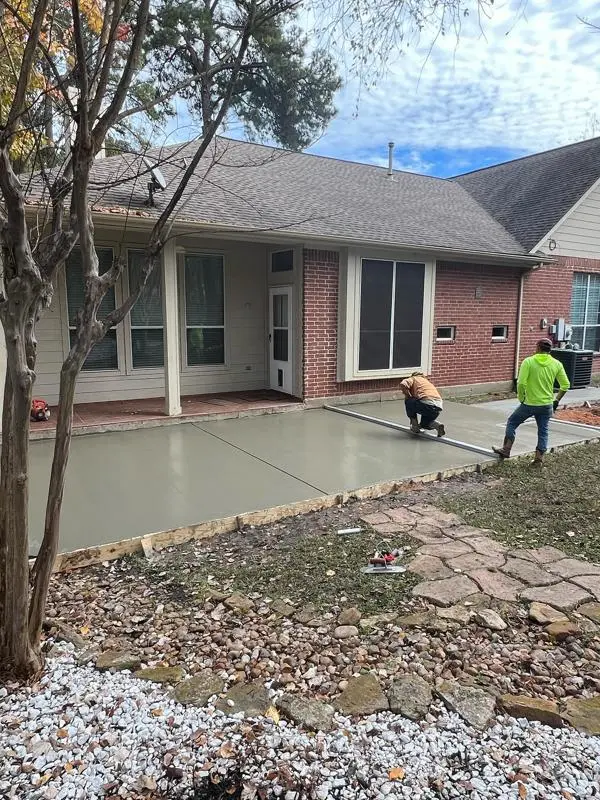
(417,620)
(559,631)
(488,618)
(429,568)
(572,567)
(282,608)
(583,713)
(349,616)
(544,614)
(345,631)
(410,696)
(306,614)
(591,611)
(378,620)
(117,660)
(497,585)
(474,705)
(310,714)
(563,596)
(249,699)
(446,592)
(362,696)
(239,602)
(197,690)
(457,613)
(528,572)
(160,674)
(531,708)
(591,582)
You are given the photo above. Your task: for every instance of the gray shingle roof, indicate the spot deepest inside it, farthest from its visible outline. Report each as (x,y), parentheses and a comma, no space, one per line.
(253,187)
(530,195)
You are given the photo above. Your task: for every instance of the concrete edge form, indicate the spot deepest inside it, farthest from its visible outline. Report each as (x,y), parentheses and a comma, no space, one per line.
(576,424)
(482,451)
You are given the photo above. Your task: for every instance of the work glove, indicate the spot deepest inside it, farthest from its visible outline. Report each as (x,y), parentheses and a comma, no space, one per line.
(555,405)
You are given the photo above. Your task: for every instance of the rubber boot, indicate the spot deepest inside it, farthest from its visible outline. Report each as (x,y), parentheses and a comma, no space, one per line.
(538,459)
(504,451)
(414,425)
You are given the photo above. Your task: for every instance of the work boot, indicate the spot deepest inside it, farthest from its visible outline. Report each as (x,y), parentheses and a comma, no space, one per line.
(414,425)
(504,451)
(538,459)
(437,426)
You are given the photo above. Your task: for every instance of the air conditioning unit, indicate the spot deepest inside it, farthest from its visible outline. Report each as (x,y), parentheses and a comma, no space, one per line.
(578,366)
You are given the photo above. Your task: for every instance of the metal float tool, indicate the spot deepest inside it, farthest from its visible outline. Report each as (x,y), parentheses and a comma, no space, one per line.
(483,451)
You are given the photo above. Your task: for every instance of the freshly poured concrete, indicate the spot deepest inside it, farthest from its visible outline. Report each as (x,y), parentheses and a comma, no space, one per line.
(131,483)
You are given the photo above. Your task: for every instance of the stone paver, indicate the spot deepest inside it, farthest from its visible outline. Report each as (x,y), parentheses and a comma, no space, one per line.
(528,572)
(434,516)
(428,534)
(564,596)
(446,592)
(571,567)
(429,567)
(591,611)
(376,519)
(451,550)
(472,561)
(455,613)
(388,527)
(467,531)
(542,555)
(545,615)
(497,585)
(590,582)
(486,546)
(403,516)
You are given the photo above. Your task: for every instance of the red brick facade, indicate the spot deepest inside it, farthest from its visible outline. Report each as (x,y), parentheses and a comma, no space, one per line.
(472,298)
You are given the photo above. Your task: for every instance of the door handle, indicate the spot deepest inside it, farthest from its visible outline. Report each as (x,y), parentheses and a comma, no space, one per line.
(270,337)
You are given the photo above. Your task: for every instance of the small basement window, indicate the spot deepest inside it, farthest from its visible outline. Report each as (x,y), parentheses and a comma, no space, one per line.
(499,333)
(445,333)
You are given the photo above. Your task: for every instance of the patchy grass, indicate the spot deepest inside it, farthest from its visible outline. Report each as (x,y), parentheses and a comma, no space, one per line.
(530,508)
(296,560)
(595,379)
(471,399)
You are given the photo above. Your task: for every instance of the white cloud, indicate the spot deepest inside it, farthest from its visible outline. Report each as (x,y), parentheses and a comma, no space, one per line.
(528,82)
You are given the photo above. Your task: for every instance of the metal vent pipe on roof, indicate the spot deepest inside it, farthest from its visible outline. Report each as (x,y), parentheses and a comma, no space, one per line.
(390,171)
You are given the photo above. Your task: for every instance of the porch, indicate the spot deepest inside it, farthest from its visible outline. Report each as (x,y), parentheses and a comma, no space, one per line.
(119,415)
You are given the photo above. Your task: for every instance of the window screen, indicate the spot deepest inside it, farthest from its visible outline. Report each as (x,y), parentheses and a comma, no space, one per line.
(103,356)
(282,261)
(146,318)
(204,309)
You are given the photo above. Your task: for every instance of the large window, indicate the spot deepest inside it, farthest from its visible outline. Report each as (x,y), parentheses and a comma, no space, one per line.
(146,318)
(391,315)
(585,310)
(103,355)
(204,292)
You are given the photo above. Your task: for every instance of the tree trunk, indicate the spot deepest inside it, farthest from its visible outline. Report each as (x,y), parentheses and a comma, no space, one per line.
(46,557)
(18,656)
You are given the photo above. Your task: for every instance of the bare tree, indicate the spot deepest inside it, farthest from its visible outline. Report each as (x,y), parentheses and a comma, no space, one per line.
(82,59)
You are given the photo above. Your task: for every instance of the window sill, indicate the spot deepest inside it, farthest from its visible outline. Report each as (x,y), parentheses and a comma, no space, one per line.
(202,368)
(499,341)
(445,341)
(383,374)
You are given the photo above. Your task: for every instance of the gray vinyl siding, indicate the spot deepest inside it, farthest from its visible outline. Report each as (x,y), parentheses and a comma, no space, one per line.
(579,234)
(245,337)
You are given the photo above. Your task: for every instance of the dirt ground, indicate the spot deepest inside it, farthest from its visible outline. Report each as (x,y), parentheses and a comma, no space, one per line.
(588,414)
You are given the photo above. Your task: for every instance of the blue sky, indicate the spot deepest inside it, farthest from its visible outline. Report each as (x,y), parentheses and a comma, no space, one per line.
(527,79)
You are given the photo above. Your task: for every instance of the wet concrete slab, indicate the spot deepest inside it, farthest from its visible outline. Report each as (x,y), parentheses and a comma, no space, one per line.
(132,483)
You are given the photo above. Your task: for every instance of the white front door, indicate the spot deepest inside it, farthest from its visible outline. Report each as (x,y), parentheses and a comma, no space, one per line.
(281,339)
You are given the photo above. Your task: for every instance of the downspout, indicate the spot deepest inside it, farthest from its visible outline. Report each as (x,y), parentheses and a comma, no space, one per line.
(518,336)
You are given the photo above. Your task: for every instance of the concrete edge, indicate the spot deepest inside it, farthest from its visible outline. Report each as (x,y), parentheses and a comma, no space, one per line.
(89,556)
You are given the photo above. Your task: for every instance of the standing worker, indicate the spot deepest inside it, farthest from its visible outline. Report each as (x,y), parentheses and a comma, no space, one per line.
(535,391)
(422,398)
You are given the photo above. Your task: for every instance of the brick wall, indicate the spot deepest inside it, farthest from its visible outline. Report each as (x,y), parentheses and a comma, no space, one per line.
(472,358)
(474,298)
(547,295)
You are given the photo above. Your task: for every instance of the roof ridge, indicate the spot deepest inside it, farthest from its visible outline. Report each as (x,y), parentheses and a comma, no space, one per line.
(524,158)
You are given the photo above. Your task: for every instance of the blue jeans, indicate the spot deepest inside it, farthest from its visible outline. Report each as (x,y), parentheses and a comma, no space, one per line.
(542,414)
(428,412)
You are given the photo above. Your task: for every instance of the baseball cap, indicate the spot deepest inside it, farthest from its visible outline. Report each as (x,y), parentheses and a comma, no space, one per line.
(545,342)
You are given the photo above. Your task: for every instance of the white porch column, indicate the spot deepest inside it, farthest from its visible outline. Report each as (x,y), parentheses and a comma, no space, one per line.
(171,330)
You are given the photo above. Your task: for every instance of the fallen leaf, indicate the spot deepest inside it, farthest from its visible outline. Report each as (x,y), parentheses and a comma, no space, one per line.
(522,791)
(397,774)
(330,573)
(68,767)
(157,712)
(44,779)
(84,630)
(62,733)
(227,750)
(567,795)
(273,714)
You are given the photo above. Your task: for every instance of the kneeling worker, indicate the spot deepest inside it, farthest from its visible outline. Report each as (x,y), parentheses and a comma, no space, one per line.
(422,398)
(535,391)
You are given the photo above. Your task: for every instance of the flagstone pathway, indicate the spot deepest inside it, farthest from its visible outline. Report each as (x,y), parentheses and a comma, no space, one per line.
(462,564)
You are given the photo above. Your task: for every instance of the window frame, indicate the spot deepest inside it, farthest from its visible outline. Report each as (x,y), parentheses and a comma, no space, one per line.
(504,337)
(585,325)
(349,314)
(130,368)
(286,272)
(66,327)
(451,338)
(201,368)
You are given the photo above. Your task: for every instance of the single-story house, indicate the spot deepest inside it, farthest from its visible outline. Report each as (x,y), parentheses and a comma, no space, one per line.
(322,278)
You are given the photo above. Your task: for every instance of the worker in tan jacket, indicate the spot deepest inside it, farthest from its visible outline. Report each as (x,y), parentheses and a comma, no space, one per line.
(422,398)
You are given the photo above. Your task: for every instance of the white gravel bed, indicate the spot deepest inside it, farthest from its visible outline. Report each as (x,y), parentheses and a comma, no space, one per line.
(84,734)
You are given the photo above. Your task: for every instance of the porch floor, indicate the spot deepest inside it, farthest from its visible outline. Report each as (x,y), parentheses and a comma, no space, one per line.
(126,414)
